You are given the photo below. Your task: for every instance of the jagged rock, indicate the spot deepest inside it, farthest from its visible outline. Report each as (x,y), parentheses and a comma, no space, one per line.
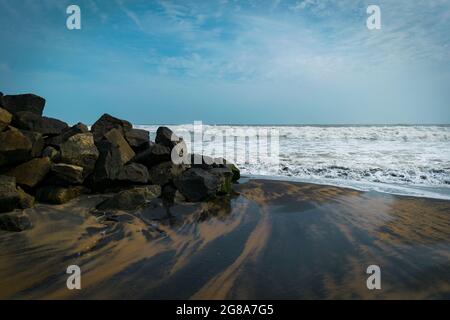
(24,102)
(56,141)
(33,122)
(197,184)
(108,165)
(166,137)
(9,197)
(5,118)
(51,153)
(32,172)
(138,139)
(37,142)
(165,172)
(15,222)
(236,172)
(133,172)
(15,147)
(25,200)
(68,172)
(131,199)
(117,140)
(152,156)
(225,176)
(59,194)
(107,122)
(80,150)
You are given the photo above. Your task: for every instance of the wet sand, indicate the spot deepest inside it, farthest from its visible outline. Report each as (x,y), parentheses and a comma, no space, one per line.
(272,240)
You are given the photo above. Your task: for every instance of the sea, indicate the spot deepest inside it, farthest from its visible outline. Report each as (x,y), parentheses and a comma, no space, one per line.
(411,160)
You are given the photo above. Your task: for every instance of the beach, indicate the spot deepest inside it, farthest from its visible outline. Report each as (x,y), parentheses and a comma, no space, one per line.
(267,240)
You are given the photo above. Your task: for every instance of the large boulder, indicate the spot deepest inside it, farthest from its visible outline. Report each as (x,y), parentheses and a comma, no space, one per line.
(235,170)
(59,194)
(197,184)
(52,153)
(69,173)
(131,199)
(107,122)
(115,137)
(12,197)
(24,102)
(15,147)
(5,118)
(31,121)
(16,221)
(37,142)
(30,173)
(166,137)
(108,165)
(138,139)
(165,172)
(56,141)
(134,173)
(80,150)
(152,156)
(225,176)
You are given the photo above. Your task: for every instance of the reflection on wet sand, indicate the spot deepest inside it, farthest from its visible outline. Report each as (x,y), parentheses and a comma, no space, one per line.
(279,240)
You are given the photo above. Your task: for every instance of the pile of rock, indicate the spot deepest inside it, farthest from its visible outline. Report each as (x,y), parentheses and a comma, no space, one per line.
(45,159)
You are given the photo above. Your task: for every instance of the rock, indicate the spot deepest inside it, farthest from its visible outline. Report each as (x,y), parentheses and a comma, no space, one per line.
(59,194)
(108,165)
(80,150)
(5,118)
(56,141)
(15,147)
(16,222)
(117,140)
(197,184)
(24,102)
(133,172)
(32,172)
(171,195)
(9,197)
(37,142)
(165,172)
(107,122)
(131,199)
(152,156)
(236,172)
(51,153)
(166,137)
(68,172)
(33,122)
(137,139)
(225,176)
(25,200)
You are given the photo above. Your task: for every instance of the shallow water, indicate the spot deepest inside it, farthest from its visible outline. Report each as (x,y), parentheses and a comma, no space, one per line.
(274,240)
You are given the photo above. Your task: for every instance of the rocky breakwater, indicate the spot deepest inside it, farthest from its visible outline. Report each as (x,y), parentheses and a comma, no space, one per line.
(45,160)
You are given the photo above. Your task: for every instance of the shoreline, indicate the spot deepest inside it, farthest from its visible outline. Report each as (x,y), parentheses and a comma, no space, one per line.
(268,240)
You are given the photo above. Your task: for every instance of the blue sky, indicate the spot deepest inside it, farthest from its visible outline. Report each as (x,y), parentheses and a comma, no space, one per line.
(230,61)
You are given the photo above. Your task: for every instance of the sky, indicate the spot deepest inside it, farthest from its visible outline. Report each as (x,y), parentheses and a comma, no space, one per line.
(231,61)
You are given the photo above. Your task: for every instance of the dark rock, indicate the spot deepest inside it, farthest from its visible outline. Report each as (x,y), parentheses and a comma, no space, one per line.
(134,173)
(197,184)
(117,140)
(236,172)
(24,102)
(15,222)
(9,197)
(80,150)
(165,172)
(131,199)
(37,142)
(68,172)
(33,122)
(108,165)
(56,141)
(15,147)
(225,176)
(152,156)
(51,153)
(58,194)
(5,118)
(137,139)
(166,137)
(25,200)
(107,122)
(30,173)
(171,195)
